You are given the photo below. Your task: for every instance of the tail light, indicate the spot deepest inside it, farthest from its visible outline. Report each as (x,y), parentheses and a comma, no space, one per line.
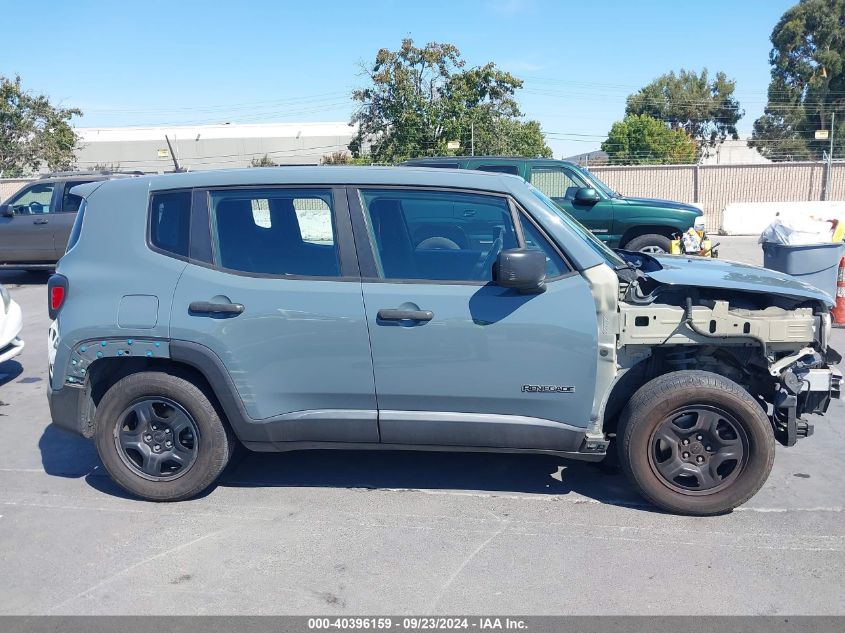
(56,294)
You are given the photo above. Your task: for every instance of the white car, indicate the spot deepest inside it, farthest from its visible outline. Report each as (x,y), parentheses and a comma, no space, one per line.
(10,327)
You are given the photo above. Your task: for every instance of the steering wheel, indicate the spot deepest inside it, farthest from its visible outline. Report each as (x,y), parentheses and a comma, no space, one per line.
(438,244)
(485,265)
(36,207)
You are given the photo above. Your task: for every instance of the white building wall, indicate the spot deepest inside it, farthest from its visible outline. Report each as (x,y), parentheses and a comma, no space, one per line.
(210,146)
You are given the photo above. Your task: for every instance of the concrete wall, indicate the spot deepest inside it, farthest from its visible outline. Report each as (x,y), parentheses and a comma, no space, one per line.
(750,218)
(714,187)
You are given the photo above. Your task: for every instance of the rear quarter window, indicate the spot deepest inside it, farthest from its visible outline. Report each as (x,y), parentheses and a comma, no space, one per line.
(170,221)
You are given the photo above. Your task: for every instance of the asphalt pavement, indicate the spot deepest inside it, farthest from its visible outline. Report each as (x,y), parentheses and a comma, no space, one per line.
(334,532)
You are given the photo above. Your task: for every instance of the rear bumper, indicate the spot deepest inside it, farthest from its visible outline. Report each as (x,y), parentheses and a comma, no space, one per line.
(65,409)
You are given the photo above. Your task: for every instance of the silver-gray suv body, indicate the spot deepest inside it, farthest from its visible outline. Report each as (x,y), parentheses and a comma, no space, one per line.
(300,308)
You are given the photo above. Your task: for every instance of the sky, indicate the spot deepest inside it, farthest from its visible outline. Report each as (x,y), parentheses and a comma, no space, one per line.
(153,62)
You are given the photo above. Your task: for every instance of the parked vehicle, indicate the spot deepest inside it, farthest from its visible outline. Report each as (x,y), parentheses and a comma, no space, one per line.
(383,308)
(637,224)
(11,323)
(36,221)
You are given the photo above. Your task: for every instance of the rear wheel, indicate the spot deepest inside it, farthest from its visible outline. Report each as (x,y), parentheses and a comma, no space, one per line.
(651,243)
(160,437)
(695,443)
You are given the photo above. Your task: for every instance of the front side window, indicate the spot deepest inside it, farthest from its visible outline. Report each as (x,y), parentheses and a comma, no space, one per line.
(535,240)
(170,221)
(558,183)
(33,200)
(275,231)
(437,235)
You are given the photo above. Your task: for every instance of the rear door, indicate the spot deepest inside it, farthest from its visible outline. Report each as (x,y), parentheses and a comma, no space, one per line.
(28,236)
(457,358)
(298,352)
(560,182)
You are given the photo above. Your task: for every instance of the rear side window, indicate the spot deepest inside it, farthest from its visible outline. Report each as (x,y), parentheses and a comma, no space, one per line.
(170,221)
(499,169)
(275,231)
(76,230)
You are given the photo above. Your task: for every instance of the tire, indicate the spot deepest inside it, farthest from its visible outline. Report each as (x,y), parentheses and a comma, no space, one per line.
(652,241)
(175,403)
(723,426)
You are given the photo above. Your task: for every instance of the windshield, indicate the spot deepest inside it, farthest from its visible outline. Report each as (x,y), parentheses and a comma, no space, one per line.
(599,184)
(612,259)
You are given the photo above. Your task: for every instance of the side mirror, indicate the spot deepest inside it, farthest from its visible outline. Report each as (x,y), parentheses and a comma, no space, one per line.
(522,269)
(7,210)
(587,195)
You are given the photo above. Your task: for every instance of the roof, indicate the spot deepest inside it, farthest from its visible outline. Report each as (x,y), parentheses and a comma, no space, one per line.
(491,159)
(337,175)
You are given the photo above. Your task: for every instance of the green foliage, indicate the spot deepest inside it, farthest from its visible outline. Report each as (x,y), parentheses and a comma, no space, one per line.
(808,82)
(33,132)
(643,140)
(706,110)
(264,161)
(419,99)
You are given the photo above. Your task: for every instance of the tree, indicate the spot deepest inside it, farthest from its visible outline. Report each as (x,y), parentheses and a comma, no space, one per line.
(419,99)
(706,110)
(33,132)
(643,140)
(808,82)
(264,161)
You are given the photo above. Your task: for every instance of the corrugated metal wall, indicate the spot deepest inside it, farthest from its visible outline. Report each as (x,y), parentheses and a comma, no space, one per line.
(716,186)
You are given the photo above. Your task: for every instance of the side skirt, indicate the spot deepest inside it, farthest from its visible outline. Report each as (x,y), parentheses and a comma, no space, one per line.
(282,447)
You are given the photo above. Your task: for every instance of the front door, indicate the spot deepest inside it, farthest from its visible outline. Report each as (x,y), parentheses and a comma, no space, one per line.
(28,235)
(280,305)
(560,183)
(457,359)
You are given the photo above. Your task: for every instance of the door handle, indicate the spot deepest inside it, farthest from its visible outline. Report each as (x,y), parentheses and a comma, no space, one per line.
(207,307)
(405,315)
(40,221)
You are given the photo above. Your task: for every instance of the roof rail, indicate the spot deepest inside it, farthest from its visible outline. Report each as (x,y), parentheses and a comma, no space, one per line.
(62,174)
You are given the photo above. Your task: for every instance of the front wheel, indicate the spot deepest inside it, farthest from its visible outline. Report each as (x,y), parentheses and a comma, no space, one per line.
(695,443)
(652,243)
(160,438)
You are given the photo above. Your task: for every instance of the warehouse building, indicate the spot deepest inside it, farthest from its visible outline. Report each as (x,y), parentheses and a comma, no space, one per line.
(219,146)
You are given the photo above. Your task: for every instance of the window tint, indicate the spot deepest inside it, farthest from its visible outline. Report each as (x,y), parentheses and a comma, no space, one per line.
(437,235)
(434,165)
(500,169)
(535,240)
(33,200)
(76,230)
(557,182)
(70,201)
(170,221)
(275,231)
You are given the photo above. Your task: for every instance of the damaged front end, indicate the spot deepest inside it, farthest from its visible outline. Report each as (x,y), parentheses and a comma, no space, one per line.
(806,384)
(767,332)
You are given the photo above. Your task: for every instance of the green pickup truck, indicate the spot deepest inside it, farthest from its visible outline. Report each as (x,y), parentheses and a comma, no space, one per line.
(636,224)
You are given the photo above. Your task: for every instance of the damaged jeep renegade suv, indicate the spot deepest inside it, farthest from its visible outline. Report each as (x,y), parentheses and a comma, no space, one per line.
(385,308)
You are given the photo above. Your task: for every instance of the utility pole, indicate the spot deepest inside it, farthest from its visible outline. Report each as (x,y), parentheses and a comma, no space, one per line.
(472,138)
(829,157)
